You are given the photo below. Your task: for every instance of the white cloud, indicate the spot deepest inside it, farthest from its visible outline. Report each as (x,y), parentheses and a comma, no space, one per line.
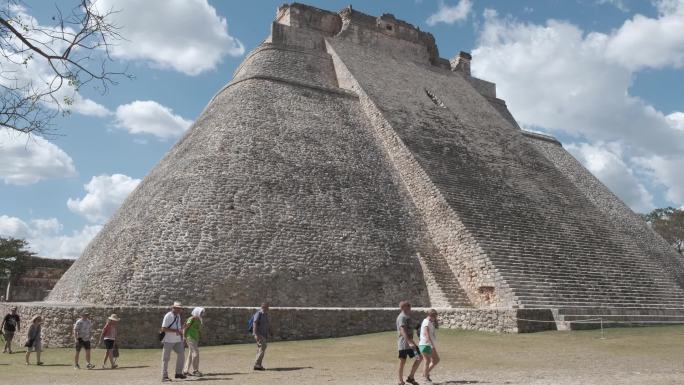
(185,35)
(150,117)
(37,72)
(88,107)
(561,79)
(619,4)
(605,162)
(45,236)
(28,159)
(644,42)
(13,227)
(63,245)
(104,194)
(451,14)
(667,170)
(676,120)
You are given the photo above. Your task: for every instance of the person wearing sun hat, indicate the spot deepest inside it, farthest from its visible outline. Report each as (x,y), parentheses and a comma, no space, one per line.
(193,332)
(34,340)
(172,340)
(109,338)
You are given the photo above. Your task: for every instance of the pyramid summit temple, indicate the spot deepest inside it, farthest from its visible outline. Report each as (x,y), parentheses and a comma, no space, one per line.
(346,167)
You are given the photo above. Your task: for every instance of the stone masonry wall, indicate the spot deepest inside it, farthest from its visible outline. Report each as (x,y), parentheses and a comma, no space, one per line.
(139,326)
(297,64)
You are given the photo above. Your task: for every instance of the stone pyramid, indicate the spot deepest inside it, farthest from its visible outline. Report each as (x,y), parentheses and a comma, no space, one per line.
(348,165)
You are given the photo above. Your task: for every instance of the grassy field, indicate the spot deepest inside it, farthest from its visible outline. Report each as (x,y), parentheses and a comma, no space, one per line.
(627,356)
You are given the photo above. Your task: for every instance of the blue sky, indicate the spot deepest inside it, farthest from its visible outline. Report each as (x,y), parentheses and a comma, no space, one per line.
(605,77)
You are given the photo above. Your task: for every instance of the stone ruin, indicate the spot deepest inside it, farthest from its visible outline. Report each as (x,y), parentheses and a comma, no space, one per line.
(347,165)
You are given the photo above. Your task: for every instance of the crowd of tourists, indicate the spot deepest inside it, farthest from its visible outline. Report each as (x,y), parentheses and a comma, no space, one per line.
(177,335)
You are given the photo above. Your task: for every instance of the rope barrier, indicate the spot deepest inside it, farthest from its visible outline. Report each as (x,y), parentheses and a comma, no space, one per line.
(601,321)
(592,320)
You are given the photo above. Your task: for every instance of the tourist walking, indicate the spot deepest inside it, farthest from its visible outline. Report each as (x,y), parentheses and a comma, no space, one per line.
(10,324)
(193,332)
(172,340)
(82,333)
(109,338)
(427,346)
(261,329)
(407,348)
(34,340)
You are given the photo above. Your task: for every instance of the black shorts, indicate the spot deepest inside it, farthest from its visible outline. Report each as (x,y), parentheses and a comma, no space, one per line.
(410,353)
(109,344)
(82,344)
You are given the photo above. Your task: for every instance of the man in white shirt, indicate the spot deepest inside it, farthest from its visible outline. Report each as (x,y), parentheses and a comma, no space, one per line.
(82,331)
(172,327)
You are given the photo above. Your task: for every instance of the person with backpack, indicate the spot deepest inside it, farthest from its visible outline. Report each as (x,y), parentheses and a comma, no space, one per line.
(427,343)
(260,329)
(193,332)
(172,340)
(34,340)
(10,325)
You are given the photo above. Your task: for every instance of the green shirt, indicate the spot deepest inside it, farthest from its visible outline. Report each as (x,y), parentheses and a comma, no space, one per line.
(193,328)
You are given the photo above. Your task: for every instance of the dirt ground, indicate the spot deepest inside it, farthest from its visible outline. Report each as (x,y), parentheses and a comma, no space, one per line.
(627,356)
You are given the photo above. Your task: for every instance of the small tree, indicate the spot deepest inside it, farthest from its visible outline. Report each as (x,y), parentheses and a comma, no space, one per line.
(669,223)
(13,259)
(70,53)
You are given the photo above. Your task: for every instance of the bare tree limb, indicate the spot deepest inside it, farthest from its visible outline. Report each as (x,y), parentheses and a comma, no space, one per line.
(43,67)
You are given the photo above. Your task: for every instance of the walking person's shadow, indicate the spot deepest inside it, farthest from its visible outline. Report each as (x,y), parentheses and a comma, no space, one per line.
(290,369)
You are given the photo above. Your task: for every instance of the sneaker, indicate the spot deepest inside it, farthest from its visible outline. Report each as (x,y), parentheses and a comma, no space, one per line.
(197,373)
(261,368)
(90,366)
(412,381)
(39,363)
(76,366)
(181,376)
(166,379)
(115,366)
(428,380)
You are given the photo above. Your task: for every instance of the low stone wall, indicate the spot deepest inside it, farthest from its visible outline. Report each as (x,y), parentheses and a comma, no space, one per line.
(139,326)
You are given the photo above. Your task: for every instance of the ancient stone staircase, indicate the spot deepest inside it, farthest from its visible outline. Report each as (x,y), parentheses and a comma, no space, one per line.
(443,288)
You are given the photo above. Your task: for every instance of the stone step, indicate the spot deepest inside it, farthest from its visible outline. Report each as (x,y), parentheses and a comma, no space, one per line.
(545,303)
(517,263)
(560,284)
(583,311)
(443,287)
(538,277)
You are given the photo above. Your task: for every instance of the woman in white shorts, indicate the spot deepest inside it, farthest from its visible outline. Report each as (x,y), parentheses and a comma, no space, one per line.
(427,343)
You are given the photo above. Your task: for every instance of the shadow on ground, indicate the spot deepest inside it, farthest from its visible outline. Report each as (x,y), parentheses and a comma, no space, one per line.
(289,369)
(221,374)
